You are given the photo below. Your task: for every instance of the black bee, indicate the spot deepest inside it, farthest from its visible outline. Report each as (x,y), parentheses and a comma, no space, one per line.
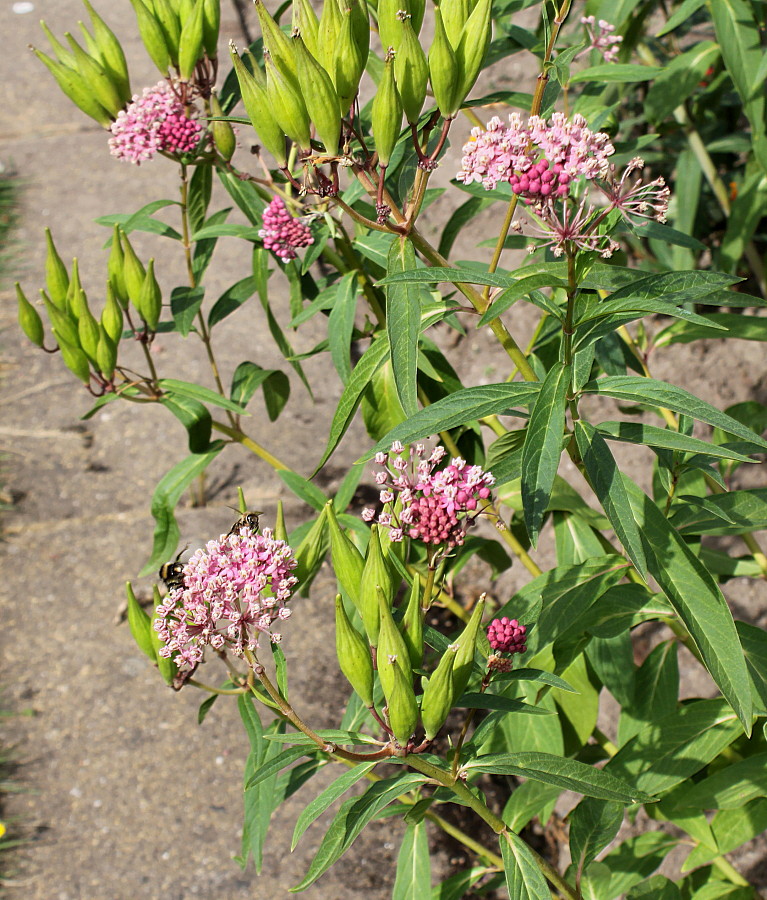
(172,573)
(247,520)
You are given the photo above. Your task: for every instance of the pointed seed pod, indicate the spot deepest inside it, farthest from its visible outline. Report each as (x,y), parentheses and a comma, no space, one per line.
(347,559)
(328,35)
(411,625)
(439,694)
(287,105)
(184,9)
(64,56)
(475,39)
(115,267)
(350,62)
(411,71)
(361,26)
(150,298)
(88,334)
(223,133)
(443,70)
(278,45)
(455,14)
(168,20)
(374,573)
(211,24)
(77,302)
(152,36)
(311,551)
(402,705)
(257,107)
(319,95)
(29,319)
(190,43)
(280,531)
(388,24)
(306,21)
(390,644)
(353,655)
(56,276)
(75,87)
(106,354)
(134,272)
(111,52)
(417,10)
(387,112)
(75,360)
(467,643)
(112,315)
(63,325)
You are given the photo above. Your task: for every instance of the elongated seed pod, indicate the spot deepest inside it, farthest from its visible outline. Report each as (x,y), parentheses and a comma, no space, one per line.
(75,87)
(319,95)
(475,39)
(328,34)
(417,9)
(360,26)
(168,20)
(402,705)
(411,625)
(374,574)
(56,276)
(350,64)
(387,112)
(443,70)
(388,25)
(353,655)
(150,299)
(390,644)
(347,559)
(278,45)
(287,105)
(115,266)
(29,319)
(88,333)
(152,36)
(134,272)
(411,71)
(223,133)
(257,107)
(211,24)
(63,55)
(63,325)
(97,78)
(439,694)
(111,52)
(184,8)
(455,14)
(190,46)
(467,643)
(75,360)
(306,21)
(112,315)
(106,354)
(77,302)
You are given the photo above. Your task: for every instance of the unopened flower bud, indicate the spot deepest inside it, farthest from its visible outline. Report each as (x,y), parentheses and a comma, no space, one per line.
(353,655)
(29,319)
(507,635)
(439,694)
(401,702)
(387,113)
(56,276)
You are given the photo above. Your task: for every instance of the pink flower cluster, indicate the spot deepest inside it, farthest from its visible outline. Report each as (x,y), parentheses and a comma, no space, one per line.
(605,41)
(424,502)
(570,149)
(507,636)
(233,588)
(282,233)
(152,123)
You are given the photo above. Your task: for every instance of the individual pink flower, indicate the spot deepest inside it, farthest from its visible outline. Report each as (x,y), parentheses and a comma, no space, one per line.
(152,123)
(234,589)
(427,503)
(605,40)
(282,233)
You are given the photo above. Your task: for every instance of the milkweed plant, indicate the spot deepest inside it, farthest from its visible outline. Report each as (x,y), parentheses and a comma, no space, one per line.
(635,178)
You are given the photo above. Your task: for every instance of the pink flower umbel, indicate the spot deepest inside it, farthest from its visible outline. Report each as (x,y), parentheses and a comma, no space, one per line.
(605,40)
(425,503)
(233,589)
(152,123)
(282,233)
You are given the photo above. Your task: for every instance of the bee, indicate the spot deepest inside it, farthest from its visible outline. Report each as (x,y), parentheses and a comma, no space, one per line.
(247,520)
(172,573)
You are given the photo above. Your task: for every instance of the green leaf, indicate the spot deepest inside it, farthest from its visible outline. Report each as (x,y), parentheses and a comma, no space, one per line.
(341,324)
(245,195)
(352,817)
(680,15)
(754,642)
(656,689)
(593,825)
(413,877)
(730,787)
(568,774)
(248,378)
(403,319)
(537,675)
(736,512)
(197,392)
(678,79)
(656,888)
(305,490)
(203,251)
(745,328)
(185,303)
(140,623)
(650,229)
(607,482)
(457,886)
(665,438)
(672,748)
(381,407)
(521,289)
(198,198)
(636,389)
(231,299)
(331,793)
(194,417)
(494,701)
(166,495)
(697,599)
(330,735)
(524,880)
(372,360)
(276,763)
(451,274)
(616,73)
(457,409)
(672,288)
(461,217)
(543,447)
(206,706)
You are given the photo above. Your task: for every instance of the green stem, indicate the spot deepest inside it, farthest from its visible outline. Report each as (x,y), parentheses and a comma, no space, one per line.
(213,690)
(236,435)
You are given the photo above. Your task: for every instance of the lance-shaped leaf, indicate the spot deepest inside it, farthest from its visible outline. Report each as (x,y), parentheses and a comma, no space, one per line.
(524,880)
(665,438)
(403,319)
(413,877)
(593,824)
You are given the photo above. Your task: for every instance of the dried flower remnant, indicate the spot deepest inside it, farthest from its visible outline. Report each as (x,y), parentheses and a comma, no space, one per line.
(155,122)
(233,589)
(605,40)
(637,200)
(282,233)
(426,503)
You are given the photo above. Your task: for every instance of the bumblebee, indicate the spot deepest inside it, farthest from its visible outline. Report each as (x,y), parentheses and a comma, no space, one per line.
(172,573)
(248,520)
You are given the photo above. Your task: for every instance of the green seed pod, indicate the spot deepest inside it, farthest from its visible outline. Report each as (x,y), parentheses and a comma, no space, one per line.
(88,334)
(387,112)
(211,25)
(106,354)
(347,559)
(75,360)
(288,106)
(152,36)
(350,64)
(150,298)
(402,705)
(319,95)
(391,645)
(374,573)
(257,107)
(29,319)
(278,45)
(455,14)
(184,9)
(311,551)
(389,28)
(353,655)
(75,87)
(417,9)
(411,71)
(56,277)
(111,53)
(63,325)
(77,302)
(411,625)
(306,21)
(439,694)
(64,56)
(467,643)
(443,70)
(134,273)
(112,315)
(190,43)
(223,133)
(361,26)
(280,531)
(475,39)
(328,35)
(168,20)
(115,267)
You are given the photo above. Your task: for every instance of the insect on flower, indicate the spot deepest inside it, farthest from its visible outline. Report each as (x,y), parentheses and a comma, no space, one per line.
(247,520)
(172,573)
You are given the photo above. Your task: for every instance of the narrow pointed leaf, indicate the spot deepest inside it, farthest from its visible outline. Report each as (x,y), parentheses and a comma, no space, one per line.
(403,320)
(413,877)
(524,880)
